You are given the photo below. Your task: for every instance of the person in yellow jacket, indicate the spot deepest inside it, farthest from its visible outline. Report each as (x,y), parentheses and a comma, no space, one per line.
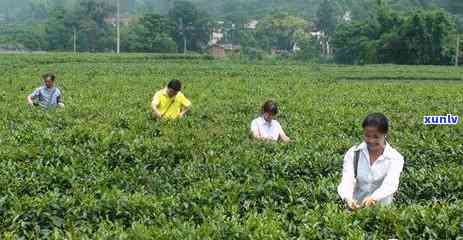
(170,103)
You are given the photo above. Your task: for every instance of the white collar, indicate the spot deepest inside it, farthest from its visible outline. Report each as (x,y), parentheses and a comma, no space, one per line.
(363,147)
(263,121)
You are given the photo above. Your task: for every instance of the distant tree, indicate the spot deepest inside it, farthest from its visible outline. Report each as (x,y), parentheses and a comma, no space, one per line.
(57,30)
(425,35)
(29,36)
(279,31)
(153,33)
(94,33)
(354,44)
(310,47)
(192,26)
(418,37)
(327,15)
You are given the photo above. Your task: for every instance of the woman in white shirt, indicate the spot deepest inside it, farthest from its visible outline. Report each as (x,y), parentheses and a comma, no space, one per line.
(266,127)
(371,170)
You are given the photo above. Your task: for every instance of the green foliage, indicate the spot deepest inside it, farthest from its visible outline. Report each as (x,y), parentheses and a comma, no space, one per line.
(418,37)
(101,168)
(279,31)
(310,49)
(28,36)
(50,25)
(192,26)
(57,31)
(152,34)
(93,31)
(327,16)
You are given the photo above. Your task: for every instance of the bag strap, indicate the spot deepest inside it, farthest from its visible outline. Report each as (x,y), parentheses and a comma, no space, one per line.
(356,161)
(168,107)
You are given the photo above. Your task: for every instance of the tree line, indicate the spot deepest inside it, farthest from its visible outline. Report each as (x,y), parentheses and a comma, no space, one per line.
(350,32)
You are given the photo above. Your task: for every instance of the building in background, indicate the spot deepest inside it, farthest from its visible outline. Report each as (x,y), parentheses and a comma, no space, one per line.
(125,20)
(217,33)
(252,24)
(217,51)
(224,50)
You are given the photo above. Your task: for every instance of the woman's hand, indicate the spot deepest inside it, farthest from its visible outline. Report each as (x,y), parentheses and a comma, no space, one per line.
(352,204)
(368,201)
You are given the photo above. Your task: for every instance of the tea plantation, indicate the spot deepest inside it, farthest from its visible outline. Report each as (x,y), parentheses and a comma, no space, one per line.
(102,169)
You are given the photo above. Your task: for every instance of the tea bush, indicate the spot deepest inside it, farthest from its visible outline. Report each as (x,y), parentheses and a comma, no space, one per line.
(101,168)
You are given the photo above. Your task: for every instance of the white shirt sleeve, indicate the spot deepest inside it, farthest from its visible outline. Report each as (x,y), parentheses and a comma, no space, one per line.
(278,127)
(346,187)
(391,181)
(255,128)
(280,130)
